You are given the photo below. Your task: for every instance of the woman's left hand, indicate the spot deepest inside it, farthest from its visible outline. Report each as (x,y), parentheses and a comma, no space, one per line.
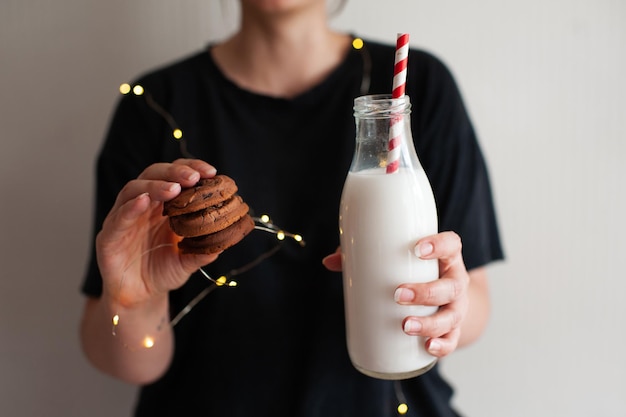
(449,293)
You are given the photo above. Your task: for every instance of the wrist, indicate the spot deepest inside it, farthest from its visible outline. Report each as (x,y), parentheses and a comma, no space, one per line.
(140,325)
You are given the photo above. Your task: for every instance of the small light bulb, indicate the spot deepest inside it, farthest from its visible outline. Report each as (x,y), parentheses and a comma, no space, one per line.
(357,43)
(403,409)
(265,218)
(178,134)
(280,235)
(148,342)
(221,280)
(116,320)
(138,90)
(125,88)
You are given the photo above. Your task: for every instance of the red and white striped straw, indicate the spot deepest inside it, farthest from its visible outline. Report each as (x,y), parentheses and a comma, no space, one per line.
(396,129)
(400,65)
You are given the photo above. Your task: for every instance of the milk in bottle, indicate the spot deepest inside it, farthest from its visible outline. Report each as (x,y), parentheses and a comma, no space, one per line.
(382,215)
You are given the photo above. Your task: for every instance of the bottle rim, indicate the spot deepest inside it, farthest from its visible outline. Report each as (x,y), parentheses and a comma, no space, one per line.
(381,105)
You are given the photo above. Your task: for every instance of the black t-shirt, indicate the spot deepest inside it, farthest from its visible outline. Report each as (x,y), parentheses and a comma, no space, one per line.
(275,344)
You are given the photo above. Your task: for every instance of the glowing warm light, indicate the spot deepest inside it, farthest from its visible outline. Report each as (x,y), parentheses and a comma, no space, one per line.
(280,234)
(224,281)
(403,409)
(125,88)
(138,90)
(148,342)
(357,43)
(116,320)
(178,134)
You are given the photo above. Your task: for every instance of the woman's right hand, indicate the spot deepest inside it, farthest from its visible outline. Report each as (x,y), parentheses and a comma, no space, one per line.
(136,243)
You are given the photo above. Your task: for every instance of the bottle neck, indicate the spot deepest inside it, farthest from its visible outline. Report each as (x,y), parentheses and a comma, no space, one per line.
(384,141)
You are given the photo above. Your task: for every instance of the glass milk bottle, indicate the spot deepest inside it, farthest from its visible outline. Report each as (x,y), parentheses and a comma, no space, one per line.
(382,215)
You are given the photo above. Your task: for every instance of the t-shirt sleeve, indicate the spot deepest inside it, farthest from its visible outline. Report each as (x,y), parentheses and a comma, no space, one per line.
(450,153)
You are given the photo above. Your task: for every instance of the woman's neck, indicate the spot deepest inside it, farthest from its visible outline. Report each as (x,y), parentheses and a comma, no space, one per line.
(283,55)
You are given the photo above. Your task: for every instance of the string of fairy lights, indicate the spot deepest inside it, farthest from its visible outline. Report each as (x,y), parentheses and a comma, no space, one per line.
(262,223)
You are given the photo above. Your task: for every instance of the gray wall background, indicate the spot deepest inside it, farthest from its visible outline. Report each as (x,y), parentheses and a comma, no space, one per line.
(544,83)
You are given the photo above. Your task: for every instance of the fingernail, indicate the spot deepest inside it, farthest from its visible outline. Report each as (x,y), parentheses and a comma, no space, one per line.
(403,295)
(434,346)
(193,175)
(142,196)
(424,249)
(171,186)
(412,325)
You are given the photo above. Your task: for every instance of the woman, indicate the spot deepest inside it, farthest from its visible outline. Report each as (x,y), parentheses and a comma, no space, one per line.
(272,107)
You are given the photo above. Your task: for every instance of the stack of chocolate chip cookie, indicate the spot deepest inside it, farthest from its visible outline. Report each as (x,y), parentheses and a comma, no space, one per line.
(210,216)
